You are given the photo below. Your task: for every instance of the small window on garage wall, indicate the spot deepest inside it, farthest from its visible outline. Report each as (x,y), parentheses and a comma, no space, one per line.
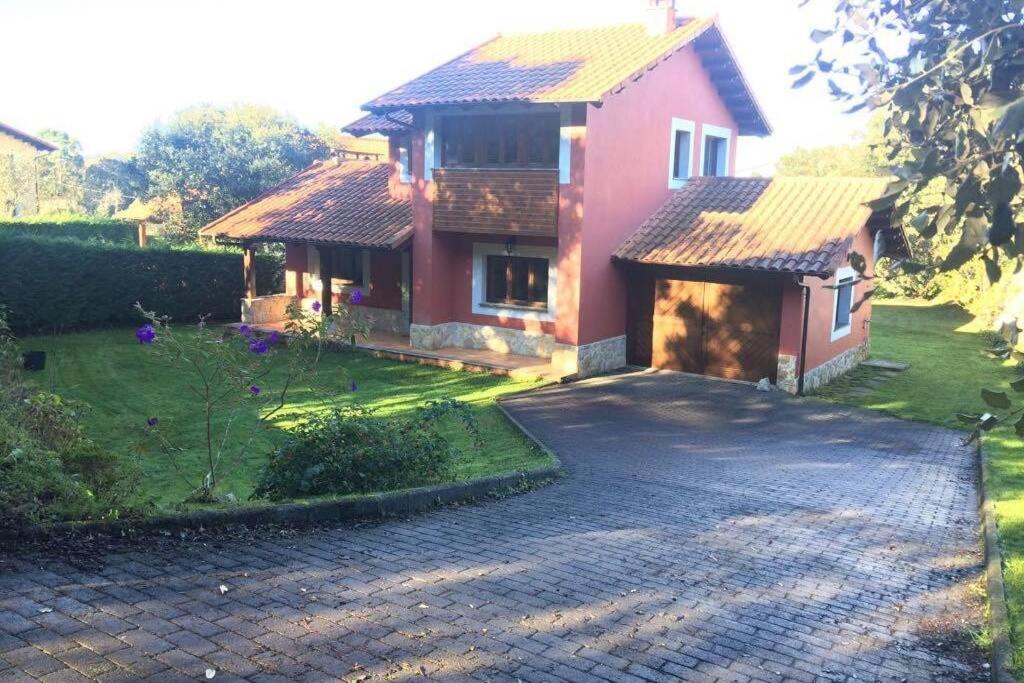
(842,316)
(680,153)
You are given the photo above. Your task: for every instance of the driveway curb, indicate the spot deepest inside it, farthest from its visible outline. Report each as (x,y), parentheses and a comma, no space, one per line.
(999,621)
(362,508)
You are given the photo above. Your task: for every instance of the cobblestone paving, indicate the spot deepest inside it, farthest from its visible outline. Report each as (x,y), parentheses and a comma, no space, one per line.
(704,532)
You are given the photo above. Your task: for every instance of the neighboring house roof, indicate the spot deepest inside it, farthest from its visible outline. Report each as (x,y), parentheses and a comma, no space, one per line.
(38,143)
(803,226)
(580,65)
(392,122)
(330,202)
(356,146)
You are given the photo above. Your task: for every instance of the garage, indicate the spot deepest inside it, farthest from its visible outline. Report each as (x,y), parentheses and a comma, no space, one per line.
(705,324)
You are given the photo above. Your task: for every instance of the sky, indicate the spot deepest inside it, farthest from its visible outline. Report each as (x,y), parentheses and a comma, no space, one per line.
(104,70)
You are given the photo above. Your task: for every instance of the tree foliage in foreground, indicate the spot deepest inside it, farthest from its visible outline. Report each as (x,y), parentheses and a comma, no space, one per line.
(947,77)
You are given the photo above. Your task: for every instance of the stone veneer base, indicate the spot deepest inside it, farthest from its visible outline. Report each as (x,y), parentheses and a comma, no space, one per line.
(481,337)
(836,367)
(591,359)
(584,361)
(387,319)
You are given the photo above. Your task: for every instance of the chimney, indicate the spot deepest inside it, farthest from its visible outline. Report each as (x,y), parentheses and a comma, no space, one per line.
(660,17)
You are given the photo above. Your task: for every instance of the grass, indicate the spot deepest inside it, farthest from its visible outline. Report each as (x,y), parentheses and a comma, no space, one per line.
(123,385)
(949,367)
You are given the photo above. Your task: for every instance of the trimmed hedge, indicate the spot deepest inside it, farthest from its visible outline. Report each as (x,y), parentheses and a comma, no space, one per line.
(53,285)
(74,227)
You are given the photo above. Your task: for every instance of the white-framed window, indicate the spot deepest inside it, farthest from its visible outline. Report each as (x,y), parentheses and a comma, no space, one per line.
(714,151)
(404,169)
(520,282)
(842,304)
(680,152)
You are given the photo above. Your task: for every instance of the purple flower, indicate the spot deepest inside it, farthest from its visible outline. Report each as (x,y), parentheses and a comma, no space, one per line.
(316,306)
(274,338)
(354,386)
(254,390)
(145,334)
(356,298)
(258,346)
(245,331)
(152,422)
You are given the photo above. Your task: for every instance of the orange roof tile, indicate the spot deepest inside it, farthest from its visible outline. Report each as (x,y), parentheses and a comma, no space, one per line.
(329,202)
(794,225)
(580,65)
(392,122)
(38,143)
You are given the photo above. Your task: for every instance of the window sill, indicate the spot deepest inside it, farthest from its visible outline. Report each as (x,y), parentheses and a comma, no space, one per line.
(540,310)
(841,332)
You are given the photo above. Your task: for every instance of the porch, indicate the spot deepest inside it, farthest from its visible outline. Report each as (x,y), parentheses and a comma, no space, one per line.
(397,347)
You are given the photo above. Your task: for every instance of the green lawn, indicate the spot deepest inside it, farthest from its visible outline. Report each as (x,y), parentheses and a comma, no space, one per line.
(124,385)
(949,367)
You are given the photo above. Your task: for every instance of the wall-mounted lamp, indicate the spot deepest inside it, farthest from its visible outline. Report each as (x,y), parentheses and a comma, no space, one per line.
(510,245)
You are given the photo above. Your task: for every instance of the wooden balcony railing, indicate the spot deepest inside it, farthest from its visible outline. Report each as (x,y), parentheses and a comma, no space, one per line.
(517,201)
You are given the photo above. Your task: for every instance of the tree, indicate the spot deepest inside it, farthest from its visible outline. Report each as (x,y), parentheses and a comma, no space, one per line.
(216,159)
(112,184)
(947,77)
(831,161)
(61,174)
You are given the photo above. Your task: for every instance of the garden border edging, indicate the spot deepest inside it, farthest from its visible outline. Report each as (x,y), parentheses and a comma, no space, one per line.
(373,506)
(999,621)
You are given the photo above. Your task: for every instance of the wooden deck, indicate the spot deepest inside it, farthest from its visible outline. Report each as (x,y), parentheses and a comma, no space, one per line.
(397,347)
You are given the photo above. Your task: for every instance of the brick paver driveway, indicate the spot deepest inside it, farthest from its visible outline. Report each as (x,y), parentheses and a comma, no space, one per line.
(704,532)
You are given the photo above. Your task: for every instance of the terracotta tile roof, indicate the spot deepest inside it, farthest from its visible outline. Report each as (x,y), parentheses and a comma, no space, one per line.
(791,225)
(393,122)
(38,143)
(329,202)
(580,65)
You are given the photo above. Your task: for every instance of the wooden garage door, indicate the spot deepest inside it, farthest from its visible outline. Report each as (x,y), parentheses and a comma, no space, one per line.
(710,328)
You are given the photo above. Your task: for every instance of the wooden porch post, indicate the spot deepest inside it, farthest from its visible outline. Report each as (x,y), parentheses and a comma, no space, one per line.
(326,275)
(142,234)
(249,270)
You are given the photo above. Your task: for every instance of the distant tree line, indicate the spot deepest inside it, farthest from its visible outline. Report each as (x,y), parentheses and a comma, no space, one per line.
(185,172)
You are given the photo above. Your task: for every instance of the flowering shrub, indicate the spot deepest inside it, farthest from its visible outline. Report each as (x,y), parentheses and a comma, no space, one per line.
(350,450)
(226,374)
(348,323)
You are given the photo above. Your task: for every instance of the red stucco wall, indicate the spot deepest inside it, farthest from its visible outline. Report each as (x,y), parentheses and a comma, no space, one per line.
(442,268)
(626,176)
(820,348)
(385,280)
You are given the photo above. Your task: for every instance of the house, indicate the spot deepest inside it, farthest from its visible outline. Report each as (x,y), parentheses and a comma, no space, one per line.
(348,146)
(569,196)
(19,174)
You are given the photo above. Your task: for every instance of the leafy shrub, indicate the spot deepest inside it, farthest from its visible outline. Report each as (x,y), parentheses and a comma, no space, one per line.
(350,450)
(71,227)
(49,470)
(64,284)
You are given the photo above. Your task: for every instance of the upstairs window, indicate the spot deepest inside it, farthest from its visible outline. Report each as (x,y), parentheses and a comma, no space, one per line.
(517,281)
(843,307)
(404,169)
(680,153)
(715,151)
(501,140)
